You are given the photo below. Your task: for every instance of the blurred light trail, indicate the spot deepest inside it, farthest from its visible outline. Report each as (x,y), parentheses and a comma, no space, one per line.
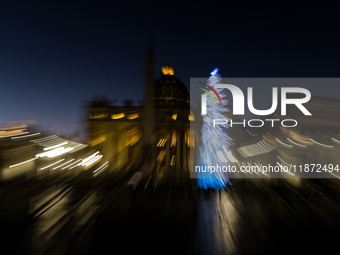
(58,153)
(22,162)
(53,142)
(284,143)
(85,160)
(254,149)
(100,169)
(335,140)
(221,157)
(329,146)
(283,161)
(23,133)
(43,139)
(147,182)
(23,136)
(229,155)
(63,164)
(268,144)
(94,160)
(52,164)
(242,153)
(296,143)
(55,146)
(251,167)
(156,185)
(72,164)
(260,169)
(55,152)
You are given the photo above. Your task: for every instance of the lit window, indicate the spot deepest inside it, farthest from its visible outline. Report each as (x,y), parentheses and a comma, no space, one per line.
(133,116)
(191,117)
(174,116)
(98,115)
(117,116)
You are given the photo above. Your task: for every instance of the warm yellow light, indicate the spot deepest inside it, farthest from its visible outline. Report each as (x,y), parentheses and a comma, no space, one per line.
(173,139)
(132,136)
(173,160)
(167,70)
(174,116)
(117,116)
(161,156)
(190,138)
(133,116)
(161,143)
(12,132)
(191,117)
(98,140)
(98,115)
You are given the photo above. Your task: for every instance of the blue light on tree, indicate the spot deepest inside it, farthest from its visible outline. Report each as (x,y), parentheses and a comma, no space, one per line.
(214,141)
(213,73)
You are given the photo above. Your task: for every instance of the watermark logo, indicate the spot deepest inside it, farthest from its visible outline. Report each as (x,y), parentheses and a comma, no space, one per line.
(204,97)
(238,100)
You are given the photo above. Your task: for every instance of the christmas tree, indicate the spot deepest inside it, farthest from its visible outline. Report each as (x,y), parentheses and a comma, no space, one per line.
(214,140)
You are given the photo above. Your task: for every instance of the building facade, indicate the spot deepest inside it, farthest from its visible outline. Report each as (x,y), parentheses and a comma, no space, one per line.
(151,137)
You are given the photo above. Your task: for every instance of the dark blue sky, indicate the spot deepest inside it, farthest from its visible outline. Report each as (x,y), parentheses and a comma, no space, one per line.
(55,54)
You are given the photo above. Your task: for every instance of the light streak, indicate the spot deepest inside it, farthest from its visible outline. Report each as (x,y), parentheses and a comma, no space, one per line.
(229,155)
(242,153)
(283,161)
(251,168)
(52,164)
(3,136)
(287,172)
(336,140)
(264,145)
(100,169)
(284,143)
(221,157)
(260,168)
(25,136)
(96,158)
(85,160)
(72,164)
(22,162)
(296,143)
(329,146)
(54,153)
(55,146)
(63,164)
(268,144)
(44,138)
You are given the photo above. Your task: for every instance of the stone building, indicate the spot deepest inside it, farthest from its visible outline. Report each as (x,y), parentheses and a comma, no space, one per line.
(153,136)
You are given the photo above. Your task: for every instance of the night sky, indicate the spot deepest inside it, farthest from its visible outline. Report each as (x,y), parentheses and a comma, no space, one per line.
(55,55)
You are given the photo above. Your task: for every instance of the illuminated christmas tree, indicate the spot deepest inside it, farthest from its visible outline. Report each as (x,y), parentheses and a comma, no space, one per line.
(214,141)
